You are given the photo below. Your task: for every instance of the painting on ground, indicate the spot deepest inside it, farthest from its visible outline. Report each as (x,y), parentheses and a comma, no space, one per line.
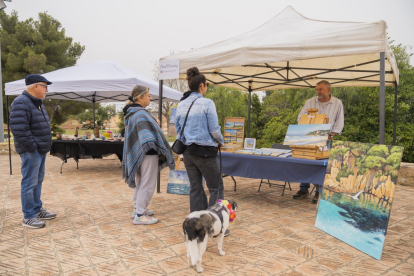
(358,193)
(307,135)
(178,183)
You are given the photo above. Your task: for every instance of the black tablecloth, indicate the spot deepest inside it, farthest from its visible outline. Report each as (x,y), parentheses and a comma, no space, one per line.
(274,168)
(82,149)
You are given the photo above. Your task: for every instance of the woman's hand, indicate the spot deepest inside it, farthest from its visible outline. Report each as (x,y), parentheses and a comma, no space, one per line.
(158,121)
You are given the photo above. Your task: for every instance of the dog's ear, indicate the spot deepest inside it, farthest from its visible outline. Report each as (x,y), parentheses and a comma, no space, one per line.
(185,225)
(233,204)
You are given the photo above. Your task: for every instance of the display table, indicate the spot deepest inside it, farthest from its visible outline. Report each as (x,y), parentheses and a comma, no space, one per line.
(82,149)
(274,168)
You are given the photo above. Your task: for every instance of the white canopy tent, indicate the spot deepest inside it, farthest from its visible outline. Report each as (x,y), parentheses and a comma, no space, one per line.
(101,81)
(292,51)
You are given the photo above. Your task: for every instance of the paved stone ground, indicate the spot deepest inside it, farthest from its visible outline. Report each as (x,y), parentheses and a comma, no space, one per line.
(94,234)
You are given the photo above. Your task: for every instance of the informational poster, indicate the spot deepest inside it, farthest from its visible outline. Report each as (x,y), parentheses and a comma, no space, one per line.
(169,69)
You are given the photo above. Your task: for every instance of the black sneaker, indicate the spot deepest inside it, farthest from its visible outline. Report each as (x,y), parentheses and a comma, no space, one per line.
(315,198)
(300,194)
(227,232)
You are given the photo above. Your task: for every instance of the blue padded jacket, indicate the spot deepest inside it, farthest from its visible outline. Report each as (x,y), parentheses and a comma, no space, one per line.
(30,124)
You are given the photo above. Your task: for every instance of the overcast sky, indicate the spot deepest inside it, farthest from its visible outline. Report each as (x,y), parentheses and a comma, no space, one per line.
(137,33)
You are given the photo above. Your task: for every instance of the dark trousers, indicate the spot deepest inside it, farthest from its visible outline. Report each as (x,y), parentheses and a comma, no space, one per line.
(197,167)
(304,187)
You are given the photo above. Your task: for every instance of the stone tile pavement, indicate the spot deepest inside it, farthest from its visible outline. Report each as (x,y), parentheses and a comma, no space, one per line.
(94,234)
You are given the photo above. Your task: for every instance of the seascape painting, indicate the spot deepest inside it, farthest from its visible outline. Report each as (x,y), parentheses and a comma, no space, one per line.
(358,193)
(229,125)
(178,183)
(309,135)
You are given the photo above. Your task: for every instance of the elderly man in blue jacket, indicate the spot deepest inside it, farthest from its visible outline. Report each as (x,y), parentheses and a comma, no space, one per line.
(30,125)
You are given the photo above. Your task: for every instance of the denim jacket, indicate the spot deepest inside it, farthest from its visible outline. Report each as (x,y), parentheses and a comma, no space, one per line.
(202,126)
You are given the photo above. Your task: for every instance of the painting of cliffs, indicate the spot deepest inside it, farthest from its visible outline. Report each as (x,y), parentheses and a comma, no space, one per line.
(358,193)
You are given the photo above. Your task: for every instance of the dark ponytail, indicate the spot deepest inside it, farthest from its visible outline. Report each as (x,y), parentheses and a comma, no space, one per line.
(195,78)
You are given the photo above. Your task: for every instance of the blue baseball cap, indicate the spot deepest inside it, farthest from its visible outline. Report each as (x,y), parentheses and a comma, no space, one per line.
(34,78)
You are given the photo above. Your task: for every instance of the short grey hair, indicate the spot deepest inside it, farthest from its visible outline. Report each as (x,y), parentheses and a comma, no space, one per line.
(324,82)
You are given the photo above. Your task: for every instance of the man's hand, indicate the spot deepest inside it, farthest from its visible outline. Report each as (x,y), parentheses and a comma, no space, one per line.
(331,135)
(158,121)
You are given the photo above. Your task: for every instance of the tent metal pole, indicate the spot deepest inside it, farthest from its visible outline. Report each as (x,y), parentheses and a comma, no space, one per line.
(1,105)
(248,114)
(8,132)
(93,102)
(394,131)
(160,118)
(287,71)
(382,100)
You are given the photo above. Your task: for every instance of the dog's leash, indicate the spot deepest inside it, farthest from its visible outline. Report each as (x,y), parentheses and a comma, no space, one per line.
(220,164)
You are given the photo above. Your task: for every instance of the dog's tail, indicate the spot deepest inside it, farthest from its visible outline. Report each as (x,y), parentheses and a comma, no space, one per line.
(195,233)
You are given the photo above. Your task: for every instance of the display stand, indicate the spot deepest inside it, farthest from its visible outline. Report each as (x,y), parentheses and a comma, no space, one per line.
(233,134)
(311,152)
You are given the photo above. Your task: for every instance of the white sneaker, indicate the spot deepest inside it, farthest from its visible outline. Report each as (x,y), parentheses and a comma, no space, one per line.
(149,213)
(144,219)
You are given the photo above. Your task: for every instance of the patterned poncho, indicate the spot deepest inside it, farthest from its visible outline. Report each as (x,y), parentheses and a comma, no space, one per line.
(143,133)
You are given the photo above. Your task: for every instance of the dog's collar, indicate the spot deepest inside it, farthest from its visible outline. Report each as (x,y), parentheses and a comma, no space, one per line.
(232,213)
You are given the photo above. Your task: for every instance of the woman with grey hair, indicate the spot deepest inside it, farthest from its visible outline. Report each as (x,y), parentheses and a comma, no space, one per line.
(146,151)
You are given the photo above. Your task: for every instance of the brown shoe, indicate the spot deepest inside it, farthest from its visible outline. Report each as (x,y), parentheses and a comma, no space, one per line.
(315,198)
(300,194)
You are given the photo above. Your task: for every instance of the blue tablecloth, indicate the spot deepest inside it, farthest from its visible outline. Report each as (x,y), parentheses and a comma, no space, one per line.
(274,168)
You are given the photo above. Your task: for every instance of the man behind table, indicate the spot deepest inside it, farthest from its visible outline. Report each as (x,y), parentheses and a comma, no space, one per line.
(332,107)
(30,126)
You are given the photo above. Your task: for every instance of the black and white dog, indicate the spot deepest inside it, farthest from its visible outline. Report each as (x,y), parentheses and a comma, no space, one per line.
(200,225)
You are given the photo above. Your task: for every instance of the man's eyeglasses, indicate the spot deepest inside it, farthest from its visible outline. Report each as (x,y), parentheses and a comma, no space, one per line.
(45,86)
(207,84)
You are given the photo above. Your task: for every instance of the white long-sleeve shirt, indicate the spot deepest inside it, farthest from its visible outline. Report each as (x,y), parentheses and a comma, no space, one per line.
(333,109)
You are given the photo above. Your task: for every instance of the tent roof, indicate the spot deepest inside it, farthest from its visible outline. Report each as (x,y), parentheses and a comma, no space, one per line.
(107,80)
(292,51)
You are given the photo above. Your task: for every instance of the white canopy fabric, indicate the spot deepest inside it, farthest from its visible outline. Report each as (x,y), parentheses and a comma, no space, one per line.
(107,80)
(292,51)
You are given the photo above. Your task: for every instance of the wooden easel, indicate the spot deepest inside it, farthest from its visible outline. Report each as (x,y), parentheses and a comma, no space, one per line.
(311,152)
(312,118)
(177,164)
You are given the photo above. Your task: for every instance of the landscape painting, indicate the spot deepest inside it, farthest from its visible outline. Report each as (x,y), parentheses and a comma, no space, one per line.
(178,183)
(309,135)
(358,193)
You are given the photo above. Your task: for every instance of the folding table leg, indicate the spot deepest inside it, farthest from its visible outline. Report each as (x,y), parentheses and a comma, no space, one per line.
(62,166)
(234,183)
